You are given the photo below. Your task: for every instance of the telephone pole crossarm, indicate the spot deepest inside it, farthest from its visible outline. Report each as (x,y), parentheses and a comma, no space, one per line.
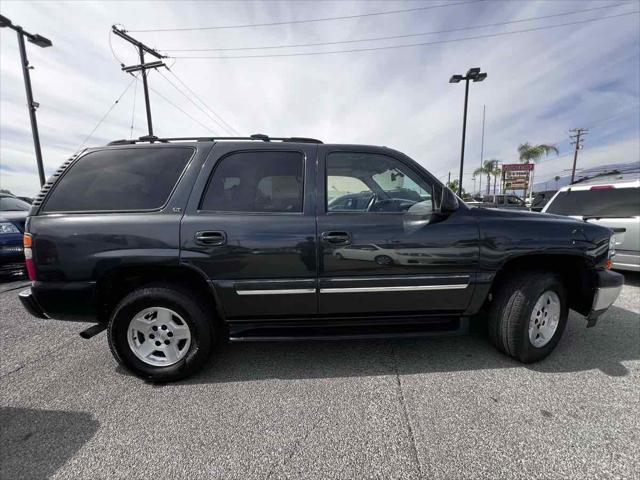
(579,132)
(141,67)
(123,34)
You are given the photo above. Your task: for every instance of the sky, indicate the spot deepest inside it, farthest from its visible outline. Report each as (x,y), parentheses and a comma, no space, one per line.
(540,83)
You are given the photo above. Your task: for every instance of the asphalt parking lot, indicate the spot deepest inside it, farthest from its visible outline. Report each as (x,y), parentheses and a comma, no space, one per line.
(447,407)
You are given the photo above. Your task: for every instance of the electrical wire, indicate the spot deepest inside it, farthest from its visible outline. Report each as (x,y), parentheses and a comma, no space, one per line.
(207,128)
(224,122)
(113,53)
(88,137)
(133,110)
(393,37)
(191,101)
(407,45)
(292,22)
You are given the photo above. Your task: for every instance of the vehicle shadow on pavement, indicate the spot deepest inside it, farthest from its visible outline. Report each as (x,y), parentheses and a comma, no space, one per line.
(614,340)
(35,443)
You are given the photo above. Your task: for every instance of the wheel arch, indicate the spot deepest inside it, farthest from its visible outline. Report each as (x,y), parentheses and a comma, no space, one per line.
(113,286)
(573,270)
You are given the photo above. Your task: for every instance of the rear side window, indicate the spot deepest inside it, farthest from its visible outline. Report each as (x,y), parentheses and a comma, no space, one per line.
(259,182)
(122,179)
(599,202)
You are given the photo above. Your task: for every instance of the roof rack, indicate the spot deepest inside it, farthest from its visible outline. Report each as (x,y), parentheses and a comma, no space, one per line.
(256,137)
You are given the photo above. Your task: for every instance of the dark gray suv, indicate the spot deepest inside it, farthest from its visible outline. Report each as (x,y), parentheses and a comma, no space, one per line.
(175,244)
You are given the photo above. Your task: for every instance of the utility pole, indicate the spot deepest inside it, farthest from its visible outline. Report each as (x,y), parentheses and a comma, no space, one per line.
(449,180)
(143,67)
(32,105)
(579,132)
(484,110)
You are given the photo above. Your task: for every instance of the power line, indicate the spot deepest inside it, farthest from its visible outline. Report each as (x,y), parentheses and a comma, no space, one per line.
(178,108)
(133,110)
(313,20)
(190,100)
(393,37)
(106,114)
(224,122)
(406,45)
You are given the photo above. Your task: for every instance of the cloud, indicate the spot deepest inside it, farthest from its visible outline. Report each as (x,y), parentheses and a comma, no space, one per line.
(539,85)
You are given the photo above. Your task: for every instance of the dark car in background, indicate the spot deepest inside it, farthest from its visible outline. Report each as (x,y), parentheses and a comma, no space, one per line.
(13,213)
(500,201)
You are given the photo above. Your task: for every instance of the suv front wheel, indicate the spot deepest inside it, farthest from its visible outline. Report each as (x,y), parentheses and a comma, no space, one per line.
(528,314)
(161,333)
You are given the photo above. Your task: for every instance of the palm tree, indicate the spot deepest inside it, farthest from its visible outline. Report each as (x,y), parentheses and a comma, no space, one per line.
(487,169)
(556,178)
(532,153)
(496,172)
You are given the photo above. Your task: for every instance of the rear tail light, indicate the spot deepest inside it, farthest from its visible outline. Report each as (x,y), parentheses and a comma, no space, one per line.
(27,242)
(601,187)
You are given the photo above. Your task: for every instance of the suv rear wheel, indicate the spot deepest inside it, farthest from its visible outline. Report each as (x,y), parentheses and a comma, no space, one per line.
(528,315)
(161,333)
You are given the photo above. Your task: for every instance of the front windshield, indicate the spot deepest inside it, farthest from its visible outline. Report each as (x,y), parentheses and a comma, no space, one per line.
(13,204)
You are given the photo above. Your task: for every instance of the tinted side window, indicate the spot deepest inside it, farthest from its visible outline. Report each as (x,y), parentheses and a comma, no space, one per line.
(119,179)
(606,202)
(366,182)
(256,182)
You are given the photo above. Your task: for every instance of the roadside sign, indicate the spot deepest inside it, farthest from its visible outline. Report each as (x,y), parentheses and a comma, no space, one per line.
(517,175)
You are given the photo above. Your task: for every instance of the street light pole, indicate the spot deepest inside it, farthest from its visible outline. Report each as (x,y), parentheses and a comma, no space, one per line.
(464,134)
(474,75)
(32,105)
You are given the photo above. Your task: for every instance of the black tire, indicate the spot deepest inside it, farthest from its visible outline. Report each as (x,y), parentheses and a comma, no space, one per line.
(384,260)
(511,308)
(199,317)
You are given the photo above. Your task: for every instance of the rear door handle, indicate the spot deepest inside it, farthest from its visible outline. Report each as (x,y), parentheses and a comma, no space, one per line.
(211,237)
(336,238)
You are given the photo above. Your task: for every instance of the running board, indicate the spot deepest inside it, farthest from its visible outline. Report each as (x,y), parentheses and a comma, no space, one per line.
(453,326)
(93,331)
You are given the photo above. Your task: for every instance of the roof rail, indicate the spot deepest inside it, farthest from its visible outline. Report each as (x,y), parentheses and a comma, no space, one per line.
(256,137)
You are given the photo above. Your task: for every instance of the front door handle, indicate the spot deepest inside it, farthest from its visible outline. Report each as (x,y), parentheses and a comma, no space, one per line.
(336,238)
(211,237)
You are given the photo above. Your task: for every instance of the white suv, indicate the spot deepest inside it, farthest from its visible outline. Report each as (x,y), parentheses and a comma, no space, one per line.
(612,201)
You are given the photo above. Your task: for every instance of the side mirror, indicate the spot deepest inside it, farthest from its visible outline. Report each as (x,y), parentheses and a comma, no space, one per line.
(449,202)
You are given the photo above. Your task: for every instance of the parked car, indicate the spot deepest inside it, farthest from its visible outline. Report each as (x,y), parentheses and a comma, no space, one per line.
(13,213)
(175,244)
(369,201)
(404,254)
(504,201)
(613,202)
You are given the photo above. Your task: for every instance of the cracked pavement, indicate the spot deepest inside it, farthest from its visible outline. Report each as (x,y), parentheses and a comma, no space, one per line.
(442,407)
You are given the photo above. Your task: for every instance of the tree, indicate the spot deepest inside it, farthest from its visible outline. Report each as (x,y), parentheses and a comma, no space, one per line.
(532,153)
(487,169)
(496,172)
(453,186)
(556,178)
